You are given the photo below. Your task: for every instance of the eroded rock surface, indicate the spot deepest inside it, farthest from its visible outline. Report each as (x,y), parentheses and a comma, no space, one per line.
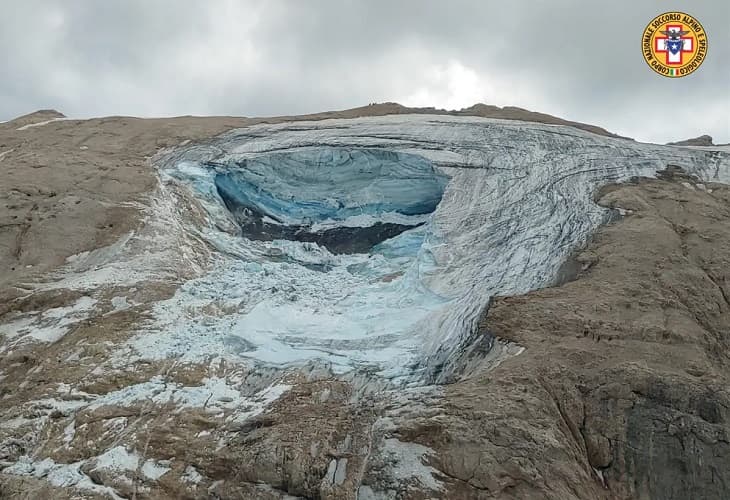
(702,140)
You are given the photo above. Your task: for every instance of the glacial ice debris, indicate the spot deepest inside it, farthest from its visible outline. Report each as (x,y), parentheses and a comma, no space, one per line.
(437,215)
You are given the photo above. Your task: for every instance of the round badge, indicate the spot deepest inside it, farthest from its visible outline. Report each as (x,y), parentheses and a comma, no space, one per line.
(674,44)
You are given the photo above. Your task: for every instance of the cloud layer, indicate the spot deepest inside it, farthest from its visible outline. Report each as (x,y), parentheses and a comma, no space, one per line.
(575,59)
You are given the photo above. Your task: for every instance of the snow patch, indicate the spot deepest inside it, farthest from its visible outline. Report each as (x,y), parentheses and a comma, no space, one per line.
(49,325)
(77,256)
(216,395)
(120,304)
(40,124)
(191,475)
(61,475)
(117,458)
(406,462)
(2,155)
(69,432)
(368,220)
(153,470)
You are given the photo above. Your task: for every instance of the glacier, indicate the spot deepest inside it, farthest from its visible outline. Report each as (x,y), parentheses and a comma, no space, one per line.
(373,245)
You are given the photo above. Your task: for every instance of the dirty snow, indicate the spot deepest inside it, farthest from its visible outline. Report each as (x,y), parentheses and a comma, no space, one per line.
(62,475)
(407,462)
(49,325)
(40,124)
(192,475)
(154,470)
(2,155)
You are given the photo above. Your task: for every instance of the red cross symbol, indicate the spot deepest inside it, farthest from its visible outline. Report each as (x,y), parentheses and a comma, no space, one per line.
(672,58)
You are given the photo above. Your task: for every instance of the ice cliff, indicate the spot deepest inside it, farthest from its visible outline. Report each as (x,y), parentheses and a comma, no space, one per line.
(372,245)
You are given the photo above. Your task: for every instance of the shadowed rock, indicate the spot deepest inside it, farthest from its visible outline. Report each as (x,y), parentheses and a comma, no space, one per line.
(702,140)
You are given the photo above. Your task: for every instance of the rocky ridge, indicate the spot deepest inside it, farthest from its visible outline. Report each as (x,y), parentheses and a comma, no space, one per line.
(702,140)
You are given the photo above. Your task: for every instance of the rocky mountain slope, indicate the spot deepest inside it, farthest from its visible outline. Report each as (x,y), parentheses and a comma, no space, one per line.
(702,140)
(408,305)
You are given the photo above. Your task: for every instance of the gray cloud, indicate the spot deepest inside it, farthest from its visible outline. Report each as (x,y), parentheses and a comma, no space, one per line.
(578,60)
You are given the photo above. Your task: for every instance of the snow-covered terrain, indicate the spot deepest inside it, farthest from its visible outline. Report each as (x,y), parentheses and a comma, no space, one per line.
(374,244)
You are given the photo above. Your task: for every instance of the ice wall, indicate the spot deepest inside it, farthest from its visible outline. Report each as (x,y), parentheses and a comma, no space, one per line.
(344,200)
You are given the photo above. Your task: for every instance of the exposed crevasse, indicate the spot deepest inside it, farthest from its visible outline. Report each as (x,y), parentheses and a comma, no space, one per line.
(344,200)
(332,184)
(477,207)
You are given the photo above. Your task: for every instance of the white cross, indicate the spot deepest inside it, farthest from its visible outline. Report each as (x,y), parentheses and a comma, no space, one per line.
(661,45)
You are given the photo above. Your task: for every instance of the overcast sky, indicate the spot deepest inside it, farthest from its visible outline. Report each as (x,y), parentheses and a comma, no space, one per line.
(577,59)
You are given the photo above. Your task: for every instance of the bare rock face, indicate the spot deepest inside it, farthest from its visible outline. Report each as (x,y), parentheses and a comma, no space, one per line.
(515,113)
(703,140)
(611,384)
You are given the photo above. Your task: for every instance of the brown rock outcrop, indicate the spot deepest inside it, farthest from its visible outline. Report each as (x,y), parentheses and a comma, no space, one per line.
(703,140)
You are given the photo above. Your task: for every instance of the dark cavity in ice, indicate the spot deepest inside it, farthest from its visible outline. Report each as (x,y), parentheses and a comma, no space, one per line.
(345,200)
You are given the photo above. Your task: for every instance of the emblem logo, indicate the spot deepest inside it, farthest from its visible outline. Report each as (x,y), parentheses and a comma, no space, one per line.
(674,44)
